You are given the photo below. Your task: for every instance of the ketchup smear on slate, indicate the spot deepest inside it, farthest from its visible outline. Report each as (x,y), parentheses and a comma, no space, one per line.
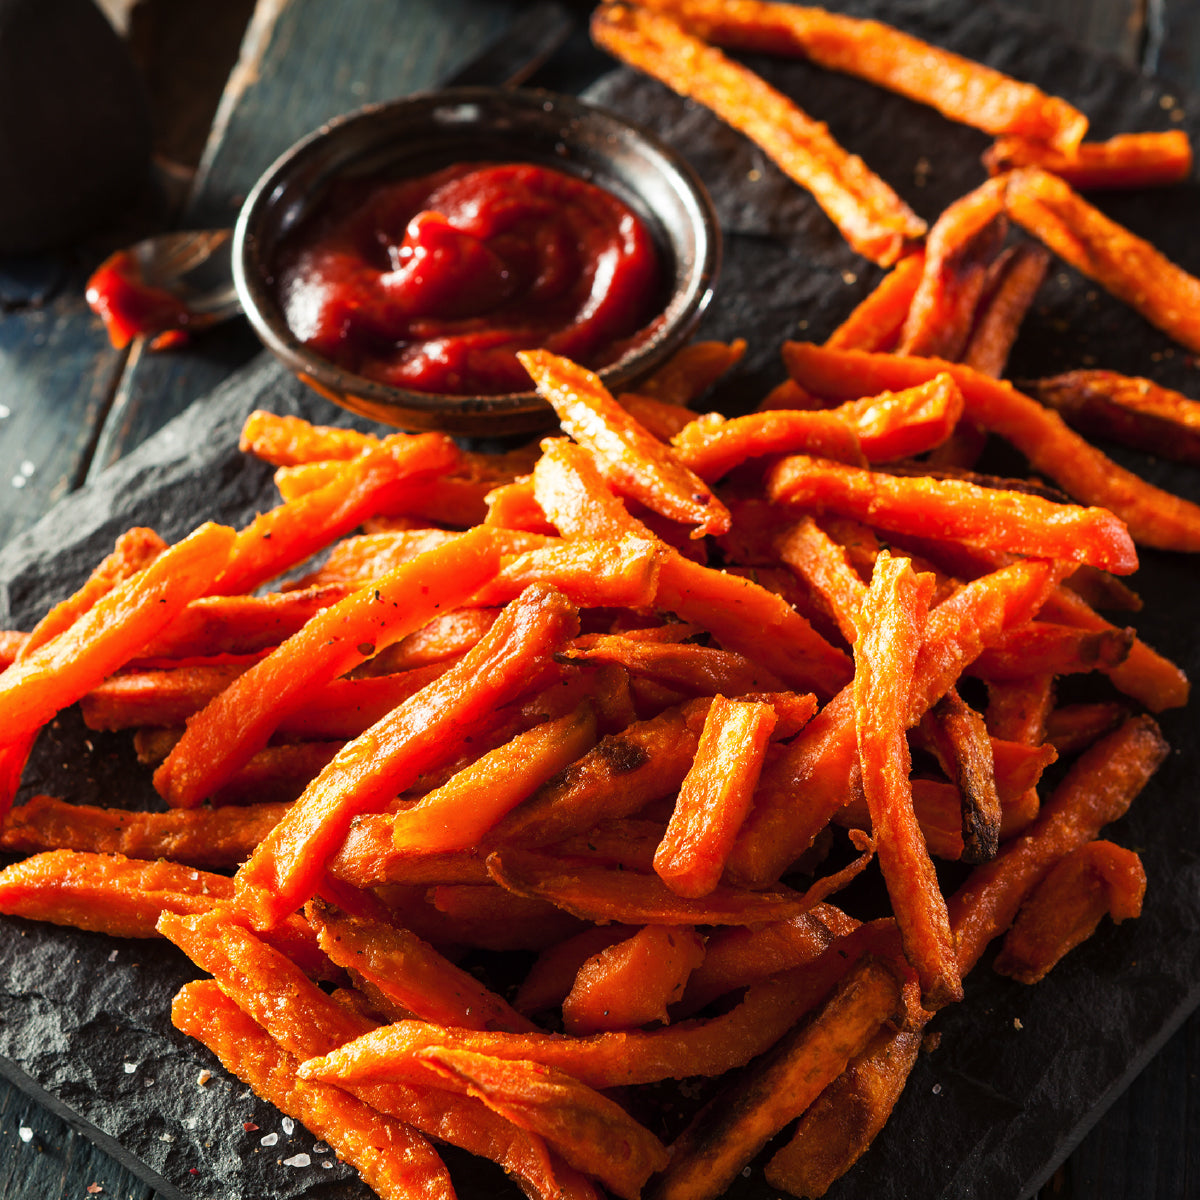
(434,283)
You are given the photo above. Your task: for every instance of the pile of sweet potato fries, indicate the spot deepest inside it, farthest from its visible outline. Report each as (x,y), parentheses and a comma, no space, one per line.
(631,707)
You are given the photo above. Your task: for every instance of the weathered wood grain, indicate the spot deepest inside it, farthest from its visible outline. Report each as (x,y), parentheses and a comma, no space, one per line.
(1173,40)
(1108,26)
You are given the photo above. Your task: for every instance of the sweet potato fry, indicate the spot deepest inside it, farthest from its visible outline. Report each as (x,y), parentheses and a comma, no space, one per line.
(1014,281)
(1065,908)
(825,566)
(594,1134)
(728,1132)
(1134,412)
(1073,727)
(283,440)
(891,627)
(239,721)
(961,246)
(954,509)
(110,633)
(871,217)
(458,814)
(1154,517)
(715,796)
(958,88)
(691,371)
(1098,789)
(549,980)
(634,462)
(1043,648)
(405,977)
(369,771)
(1121,262)
(900,424)
(632,982)
(212,838)
(876,321)
(1128,160)
(392,1158)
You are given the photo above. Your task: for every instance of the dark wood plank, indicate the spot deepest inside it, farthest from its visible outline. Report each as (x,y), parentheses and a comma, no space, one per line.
(1109,26)
(302,62)
(1173,45)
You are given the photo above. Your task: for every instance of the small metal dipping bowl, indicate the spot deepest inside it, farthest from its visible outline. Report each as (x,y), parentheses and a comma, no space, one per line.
(426,132)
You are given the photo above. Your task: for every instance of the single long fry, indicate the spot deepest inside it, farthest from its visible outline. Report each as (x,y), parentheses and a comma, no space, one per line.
(240,720)
(1121,262)
(1154,517)
(876,321)
(872,218)
(731,1129)
(1014,281)
(634,462)
(957,87)
(1128,160)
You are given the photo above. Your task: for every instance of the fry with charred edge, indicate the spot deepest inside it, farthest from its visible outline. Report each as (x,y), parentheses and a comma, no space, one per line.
(715,796)
(110,633)
(456,815)
(958,253)
(1121,262)
(366,774)
(600,894)
(405,977)
(1098,788)
(594,1134)
(820,761)
(1042,647)
(634,462)
(841,1124)
(1154,517)
(728,1132)
(202,837)
(1129,160)
(305,1021)
(824,565)
(1015,278)
(891,626)
(876,321)
(392,1158)
(633,981)
(238,722)
(955,510)
(286,535)
(1134,412)
(959,88)
(871,217)
(1065,908)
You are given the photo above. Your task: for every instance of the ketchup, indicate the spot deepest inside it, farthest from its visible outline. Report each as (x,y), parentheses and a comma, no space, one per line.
(434,283)
(130,307)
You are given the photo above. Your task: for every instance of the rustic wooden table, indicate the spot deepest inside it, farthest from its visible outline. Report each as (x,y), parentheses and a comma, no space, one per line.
(70,405)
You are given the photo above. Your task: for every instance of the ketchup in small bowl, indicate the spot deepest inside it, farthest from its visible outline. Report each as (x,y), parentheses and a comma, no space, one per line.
(435,283)
(397,258)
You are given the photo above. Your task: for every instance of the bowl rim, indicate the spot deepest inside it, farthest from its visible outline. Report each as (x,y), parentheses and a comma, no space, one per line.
(414,409)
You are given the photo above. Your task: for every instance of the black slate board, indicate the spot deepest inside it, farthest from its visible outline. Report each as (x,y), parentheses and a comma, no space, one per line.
(1020,1073)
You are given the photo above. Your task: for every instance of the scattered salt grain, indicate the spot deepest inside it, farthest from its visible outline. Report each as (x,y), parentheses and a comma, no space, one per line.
(298,1160)
(288,1126)
(320,1148)
(5,412)
(113,956)
(130,1068)
(937,1089)
(327,1164)
(268,1139)
(25,1133)
(203,1077)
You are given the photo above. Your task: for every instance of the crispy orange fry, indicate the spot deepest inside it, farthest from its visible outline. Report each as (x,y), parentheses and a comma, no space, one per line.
(825,566)
(405,977)
(392,1158)
(891,627)
(954,509)
(1121,262)
(286,441)
(900,424)
(1043,648)
(1073,727)
(634,462)
(1154,517)
(715,796)
(456,815)
(1015,278)
(728,1132)
(1065,908)
(1135,412)
(871,217)
(205,837)
(240,720)
(876,321)
(371,770)
(549,980)
(957,87)
(1129,160)
(632,982)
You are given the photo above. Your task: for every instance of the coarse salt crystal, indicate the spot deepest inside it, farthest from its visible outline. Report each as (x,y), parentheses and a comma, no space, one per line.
(25,1133)
(130,1068)
(320,1148)
(203,1077)
(298,1160)
(327,1164)
(288,1126)
(113,956)
(268,1139)
(27,468)
(5,412)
